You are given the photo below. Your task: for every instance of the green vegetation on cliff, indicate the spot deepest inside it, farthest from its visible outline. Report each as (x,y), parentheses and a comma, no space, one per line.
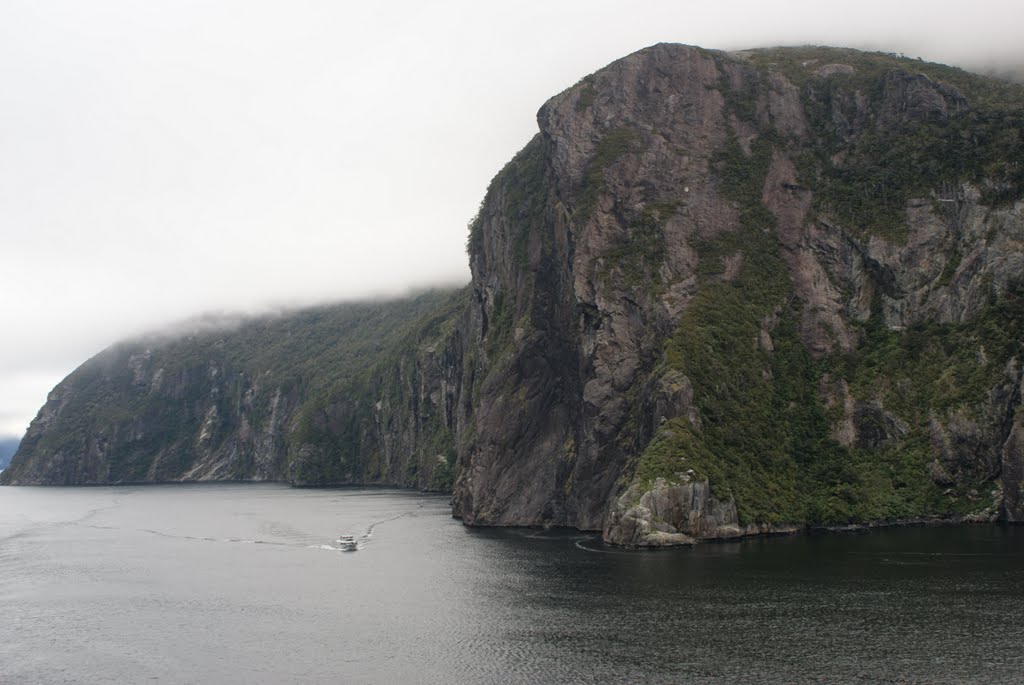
(980,140)
(758,408)
(518,193)
(237,400)
(385,390)
(612,146)
(766,438)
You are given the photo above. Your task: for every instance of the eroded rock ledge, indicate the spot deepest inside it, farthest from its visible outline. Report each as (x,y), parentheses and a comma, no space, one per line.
(673,514)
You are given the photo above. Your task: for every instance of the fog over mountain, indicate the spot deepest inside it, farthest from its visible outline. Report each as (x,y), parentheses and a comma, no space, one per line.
(164,160)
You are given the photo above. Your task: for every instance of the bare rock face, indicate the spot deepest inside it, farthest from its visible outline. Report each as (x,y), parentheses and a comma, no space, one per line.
(143,443)
(875,427)
(915,96)
(644,139)
(593,250)
(670,514)
(674,514)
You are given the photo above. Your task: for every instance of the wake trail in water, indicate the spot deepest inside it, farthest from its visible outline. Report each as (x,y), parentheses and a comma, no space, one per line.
(369,530)
(33,528)
(363,539)
(241,541)
(580,545)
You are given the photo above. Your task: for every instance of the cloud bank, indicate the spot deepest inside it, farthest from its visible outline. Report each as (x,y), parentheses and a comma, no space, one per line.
(164,159)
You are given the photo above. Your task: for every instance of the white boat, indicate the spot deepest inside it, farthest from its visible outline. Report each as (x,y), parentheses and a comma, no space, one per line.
(347,543)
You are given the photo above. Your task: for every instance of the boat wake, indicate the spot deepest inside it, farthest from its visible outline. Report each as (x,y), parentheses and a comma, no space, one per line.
(580,545)
(241,541)
(328,548)
(369,530)
(361,541)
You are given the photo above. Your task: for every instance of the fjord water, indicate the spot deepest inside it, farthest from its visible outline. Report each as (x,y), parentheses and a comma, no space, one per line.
(236,583)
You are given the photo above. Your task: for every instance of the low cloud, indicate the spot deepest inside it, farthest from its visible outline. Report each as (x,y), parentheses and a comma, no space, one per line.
(167,159)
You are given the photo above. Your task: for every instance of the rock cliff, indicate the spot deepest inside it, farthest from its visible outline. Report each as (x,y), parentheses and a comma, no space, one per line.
(717,294)
(722,294)
(357,393)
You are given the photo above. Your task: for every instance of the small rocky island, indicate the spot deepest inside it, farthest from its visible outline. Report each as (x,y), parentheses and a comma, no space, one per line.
(718,294)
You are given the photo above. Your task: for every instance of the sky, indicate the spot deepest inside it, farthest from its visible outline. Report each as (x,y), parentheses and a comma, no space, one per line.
(164,159)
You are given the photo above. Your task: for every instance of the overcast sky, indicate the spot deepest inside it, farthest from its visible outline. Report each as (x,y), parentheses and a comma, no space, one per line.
(163,159)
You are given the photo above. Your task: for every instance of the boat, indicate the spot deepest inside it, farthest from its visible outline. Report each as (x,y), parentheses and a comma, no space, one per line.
(347,543)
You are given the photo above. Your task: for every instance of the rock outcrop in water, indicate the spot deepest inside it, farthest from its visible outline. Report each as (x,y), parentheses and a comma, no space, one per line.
(717,294)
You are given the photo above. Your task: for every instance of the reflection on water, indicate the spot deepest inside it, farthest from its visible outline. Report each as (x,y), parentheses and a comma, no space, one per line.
(240,584)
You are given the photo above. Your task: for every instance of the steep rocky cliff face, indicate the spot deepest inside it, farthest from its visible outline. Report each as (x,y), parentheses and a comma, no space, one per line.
(345,394)
(718,294)
(723,294)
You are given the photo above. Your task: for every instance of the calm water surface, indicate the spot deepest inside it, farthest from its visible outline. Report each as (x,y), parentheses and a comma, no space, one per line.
(239,584)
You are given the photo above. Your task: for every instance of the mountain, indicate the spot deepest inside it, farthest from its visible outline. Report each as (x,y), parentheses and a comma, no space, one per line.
(717,294)
(277,398)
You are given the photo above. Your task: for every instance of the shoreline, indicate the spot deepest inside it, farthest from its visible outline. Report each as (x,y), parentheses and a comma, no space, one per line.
(782,530)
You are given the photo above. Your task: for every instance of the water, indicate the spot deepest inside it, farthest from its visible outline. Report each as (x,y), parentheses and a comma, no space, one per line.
(239,584)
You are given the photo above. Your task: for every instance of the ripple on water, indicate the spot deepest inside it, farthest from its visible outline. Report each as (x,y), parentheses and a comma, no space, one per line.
(185,585)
